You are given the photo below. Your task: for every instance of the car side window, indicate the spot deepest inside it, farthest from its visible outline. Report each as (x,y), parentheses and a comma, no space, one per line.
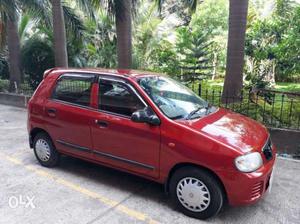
(117,97)
(73,89)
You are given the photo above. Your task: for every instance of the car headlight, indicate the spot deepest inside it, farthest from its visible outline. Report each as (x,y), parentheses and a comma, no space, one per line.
(249,162)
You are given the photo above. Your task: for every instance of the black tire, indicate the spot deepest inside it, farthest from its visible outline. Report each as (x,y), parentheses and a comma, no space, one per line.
(211,183)
(54,155)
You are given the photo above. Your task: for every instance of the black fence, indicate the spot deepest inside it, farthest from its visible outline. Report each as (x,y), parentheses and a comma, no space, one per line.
(23,89)
(273,108)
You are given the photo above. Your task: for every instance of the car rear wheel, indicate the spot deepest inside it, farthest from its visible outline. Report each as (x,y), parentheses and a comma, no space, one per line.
(196,192)
(45,151)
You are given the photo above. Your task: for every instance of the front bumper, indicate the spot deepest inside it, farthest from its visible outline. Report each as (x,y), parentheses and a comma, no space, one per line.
(247,188)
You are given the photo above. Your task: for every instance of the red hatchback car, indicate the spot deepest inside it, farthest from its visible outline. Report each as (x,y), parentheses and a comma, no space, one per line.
(152,126)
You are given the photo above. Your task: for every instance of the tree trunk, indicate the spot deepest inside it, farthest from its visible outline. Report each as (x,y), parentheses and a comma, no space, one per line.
(13,42)
(123,27)
(59,30)
(235,51)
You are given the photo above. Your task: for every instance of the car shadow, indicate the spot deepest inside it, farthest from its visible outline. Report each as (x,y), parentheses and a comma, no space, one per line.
(138,186)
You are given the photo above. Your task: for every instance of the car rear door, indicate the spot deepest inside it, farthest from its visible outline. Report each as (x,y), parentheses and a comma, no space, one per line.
(119,141)
(68,114)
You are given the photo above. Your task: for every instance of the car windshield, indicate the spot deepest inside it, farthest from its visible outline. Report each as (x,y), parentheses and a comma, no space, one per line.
(174,99)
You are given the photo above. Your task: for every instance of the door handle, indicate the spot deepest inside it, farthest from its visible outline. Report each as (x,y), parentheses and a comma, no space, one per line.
(51,112)
(102,124)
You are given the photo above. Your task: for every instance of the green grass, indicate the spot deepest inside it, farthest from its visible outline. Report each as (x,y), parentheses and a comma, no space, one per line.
(288,87)
(280,86)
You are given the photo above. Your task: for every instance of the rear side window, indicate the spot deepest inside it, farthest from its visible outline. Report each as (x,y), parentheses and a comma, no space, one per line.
(118,98)
(74,89)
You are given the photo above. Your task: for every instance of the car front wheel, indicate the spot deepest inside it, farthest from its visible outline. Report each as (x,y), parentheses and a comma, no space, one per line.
(196,192)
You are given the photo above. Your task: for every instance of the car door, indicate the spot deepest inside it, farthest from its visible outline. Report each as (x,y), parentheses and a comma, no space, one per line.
(68,114)
(119,141)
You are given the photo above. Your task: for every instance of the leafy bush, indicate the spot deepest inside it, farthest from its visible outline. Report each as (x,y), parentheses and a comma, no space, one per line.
(100,45)
(163,59)
(4,85)
(277,39)
(37,56)
(4,71)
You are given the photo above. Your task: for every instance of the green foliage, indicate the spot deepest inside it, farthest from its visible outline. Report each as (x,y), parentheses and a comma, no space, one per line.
(99,48)
(152,50)
(288,87)
(164,59)
(145,35)
(4,70)
(37,56)
(277,39)
(23,26)
(4,85)
(194,53)
(212,17)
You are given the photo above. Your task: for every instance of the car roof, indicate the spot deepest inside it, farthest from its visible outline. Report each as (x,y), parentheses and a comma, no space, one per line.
(115,72)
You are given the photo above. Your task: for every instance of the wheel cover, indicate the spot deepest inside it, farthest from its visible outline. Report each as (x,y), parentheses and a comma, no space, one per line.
(193,194)
(42,149)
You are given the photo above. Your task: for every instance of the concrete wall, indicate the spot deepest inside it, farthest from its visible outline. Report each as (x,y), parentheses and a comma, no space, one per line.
(286,141)
(14,99)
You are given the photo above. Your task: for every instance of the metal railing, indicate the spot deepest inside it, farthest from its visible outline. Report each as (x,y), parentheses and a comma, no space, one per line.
(23,89)
(273,108)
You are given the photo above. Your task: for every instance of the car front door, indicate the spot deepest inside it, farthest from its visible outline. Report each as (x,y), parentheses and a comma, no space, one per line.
(119,141)
(68,114)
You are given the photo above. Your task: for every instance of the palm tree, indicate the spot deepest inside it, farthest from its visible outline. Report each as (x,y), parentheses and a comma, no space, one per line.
(13,43)
(235,50)
(59,30)
(121,11)
(8,17)
(124,33)
(39,10)
(60,13)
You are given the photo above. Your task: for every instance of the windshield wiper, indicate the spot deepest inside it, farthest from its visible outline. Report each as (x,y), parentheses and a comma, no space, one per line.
(193,113)
(207,107)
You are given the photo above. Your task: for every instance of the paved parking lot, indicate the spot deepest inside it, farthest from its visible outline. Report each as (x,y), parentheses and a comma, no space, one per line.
(80,192)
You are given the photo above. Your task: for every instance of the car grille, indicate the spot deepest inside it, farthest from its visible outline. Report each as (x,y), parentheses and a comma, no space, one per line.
(257,190)
(267,150)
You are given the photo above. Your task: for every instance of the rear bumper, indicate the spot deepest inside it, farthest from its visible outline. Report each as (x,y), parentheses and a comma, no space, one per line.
(247,188)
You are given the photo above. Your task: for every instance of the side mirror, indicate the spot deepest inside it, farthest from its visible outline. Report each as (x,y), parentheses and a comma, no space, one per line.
(145,116)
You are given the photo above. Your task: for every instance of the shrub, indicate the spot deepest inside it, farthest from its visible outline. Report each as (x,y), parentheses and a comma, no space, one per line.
(4,71)
(4,85)
(37,56)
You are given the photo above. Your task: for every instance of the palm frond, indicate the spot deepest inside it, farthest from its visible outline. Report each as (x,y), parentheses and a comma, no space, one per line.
(88,7)
(24,22)
(9,8)
(73,23)
(159,4)
(40,10)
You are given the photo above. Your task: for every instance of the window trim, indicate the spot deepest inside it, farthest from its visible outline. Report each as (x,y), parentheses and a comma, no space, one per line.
(97,78)
(126,83)
(91,76)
